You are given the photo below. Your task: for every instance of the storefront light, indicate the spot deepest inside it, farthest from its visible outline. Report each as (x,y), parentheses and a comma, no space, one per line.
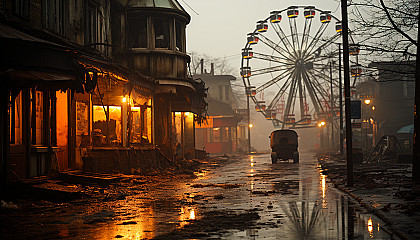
(124,99)
(186,113)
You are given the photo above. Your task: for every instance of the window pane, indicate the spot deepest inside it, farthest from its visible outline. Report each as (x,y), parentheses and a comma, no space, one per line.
(225,134)
(179,34)
(39,117)
(100,127)
(135,125)
(216,134)
(137,37)
(162,36)
(163,3)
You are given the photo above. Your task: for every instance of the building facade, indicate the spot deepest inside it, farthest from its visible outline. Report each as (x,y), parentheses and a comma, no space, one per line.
(82,92)
(220,133)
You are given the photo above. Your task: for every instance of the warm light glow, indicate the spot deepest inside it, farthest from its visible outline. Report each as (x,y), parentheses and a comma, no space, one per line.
(321,124)
(252,158)
(124,99)
(186,113)
(372,121)
(250,125)
(367,101)
(192,215)
(373,108)
(370,226)
(252,164)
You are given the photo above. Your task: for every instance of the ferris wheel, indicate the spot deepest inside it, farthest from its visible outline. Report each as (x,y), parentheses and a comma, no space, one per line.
(287,66)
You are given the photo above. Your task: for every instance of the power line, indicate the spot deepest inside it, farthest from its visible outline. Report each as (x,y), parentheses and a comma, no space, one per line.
(190,7)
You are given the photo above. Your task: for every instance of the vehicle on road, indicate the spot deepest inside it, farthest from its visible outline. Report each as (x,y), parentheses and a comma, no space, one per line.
(284,146)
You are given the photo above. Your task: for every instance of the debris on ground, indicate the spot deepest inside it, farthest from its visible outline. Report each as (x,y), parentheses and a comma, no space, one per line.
(384,188)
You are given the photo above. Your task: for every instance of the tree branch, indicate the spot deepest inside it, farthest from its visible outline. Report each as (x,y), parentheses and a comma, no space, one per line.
(395,25)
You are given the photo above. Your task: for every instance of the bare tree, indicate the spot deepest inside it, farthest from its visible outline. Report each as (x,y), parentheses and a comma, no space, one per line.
(221,65)
(390,30)
(386,30)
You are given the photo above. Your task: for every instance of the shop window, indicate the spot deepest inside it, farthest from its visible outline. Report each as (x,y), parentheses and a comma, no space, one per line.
(162,33)
(149,124)
(225,134)
(103,129)
(216,134)
(137,32)
(136,118)
(21,8)
(54,15)
(39,117)
(16,120)
(233,133)
(179,31)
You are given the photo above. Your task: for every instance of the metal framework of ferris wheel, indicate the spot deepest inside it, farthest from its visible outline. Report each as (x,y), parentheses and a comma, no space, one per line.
(299,66)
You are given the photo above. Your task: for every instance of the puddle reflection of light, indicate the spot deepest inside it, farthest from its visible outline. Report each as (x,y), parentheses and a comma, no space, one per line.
(252,170)
(252,164)
(252,185)
(370,227)
(252,158)
(192,214)
(323,188)
(379,228)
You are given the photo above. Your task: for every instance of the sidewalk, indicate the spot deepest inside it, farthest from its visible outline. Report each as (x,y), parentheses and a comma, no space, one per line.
(384,189)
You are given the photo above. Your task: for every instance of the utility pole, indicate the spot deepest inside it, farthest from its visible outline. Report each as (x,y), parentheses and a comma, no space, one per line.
(341,101)
(249,119)
(416,138)
(332,110)
(347,102)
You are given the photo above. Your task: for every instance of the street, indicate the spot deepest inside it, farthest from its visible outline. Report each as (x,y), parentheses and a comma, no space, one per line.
(231,198)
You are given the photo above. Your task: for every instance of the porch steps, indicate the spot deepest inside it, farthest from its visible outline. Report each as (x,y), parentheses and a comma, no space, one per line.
(80,177)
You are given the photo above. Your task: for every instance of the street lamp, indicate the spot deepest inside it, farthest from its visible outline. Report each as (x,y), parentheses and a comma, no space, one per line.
(367,101)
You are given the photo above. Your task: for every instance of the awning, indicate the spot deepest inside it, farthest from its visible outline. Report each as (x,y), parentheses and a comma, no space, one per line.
(407,129)
(27,61)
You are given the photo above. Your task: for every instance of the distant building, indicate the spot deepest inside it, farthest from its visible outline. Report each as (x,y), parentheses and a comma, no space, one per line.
(391,103)
(219,134)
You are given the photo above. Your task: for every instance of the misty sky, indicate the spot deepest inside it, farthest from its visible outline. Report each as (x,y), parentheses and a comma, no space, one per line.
(220,30)
(221,27)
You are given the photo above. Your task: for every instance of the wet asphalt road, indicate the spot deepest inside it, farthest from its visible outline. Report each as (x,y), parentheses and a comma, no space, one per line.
(246,198)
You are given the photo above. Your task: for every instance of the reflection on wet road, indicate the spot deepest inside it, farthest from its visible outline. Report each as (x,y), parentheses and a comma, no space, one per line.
(249,198)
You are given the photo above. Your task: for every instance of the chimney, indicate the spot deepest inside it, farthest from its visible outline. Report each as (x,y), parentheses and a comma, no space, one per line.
(212,69)
(202,66)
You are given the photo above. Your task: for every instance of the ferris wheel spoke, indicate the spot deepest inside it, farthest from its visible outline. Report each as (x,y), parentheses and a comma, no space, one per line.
(319,74)
(312,94)
(301,96)
(292,91)
(269,70)
(273,45)
(306,31)
(316,38)
(271,58)
(283,39)
(273,81)
(280,93)
(326,44)
(320,90)
(293,31)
